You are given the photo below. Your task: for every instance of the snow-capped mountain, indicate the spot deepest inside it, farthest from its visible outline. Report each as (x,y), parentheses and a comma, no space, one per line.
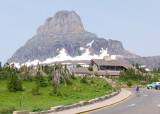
(63,37)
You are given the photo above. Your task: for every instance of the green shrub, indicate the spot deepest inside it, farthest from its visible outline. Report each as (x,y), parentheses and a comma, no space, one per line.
(143,83)
(40,81)
(72,76)
(78,66)
(14,84)
(7,110)
(92,81)
(107,76)
(54,90)
(35,91)
(96,74)
(90,68)
(129,83)
(107,86)
(84,80)
(36,109)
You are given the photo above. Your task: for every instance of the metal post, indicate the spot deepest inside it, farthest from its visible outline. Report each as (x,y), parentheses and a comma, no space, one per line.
(20,101)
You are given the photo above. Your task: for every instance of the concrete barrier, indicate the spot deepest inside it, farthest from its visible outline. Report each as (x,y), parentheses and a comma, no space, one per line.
(34,112)
(20,112)
(57,108)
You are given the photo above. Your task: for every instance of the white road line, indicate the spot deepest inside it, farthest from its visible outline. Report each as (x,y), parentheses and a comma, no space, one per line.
(145,95)
(132,105)
(158,105)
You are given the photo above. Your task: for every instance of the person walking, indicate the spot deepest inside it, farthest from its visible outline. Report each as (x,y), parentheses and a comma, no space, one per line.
(137,90)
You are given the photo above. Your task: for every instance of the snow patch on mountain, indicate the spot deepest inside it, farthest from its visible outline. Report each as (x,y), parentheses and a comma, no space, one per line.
(17,65)
(62,56)
(81,48)
(29,63)
(145,67)
(90,44)
(85,56)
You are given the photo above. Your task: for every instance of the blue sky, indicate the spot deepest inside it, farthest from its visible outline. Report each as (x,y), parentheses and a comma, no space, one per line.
(136,23)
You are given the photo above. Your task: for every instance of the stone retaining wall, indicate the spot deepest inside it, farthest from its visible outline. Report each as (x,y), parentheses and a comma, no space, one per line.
(61,108)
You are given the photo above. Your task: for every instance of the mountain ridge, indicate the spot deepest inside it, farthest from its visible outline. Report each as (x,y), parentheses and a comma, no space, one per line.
(65,31)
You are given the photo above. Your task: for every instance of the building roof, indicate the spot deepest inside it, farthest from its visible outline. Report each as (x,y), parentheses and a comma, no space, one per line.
(78,70)
(102,62)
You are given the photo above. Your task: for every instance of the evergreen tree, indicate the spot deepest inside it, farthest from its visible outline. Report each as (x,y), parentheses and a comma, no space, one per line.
(14,84)
(137,66)
(65,68)
(24,73)
(5,71)
(40,81)
(47,69)
(0,67)
(158,69)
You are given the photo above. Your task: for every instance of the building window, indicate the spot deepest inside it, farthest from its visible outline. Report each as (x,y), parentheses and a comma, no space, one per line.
(108,67)
(113,68)
(122,68)
(102,67)
(117,68)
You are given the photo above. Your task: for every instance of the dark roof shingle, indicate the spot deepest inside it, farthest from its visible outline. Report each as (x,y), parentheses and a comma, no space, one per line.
(78,70)
(101,62)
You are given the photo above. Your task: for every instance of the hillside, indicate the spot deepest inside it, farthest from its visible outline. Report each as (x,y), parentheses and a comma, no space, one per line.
(148,62)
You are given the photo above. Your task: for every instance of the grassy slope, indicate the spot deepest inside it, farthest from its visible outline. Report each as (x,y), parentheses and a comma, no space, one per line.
(68,95)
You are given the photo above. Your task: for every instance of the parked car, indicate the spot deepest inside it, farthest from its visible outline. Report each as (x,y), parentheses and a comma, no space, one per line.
(157,87)
(152,85)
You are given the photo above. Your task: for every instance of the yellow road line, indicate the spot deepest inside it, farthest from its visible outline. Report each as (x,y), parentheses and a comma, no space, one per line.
(84,112)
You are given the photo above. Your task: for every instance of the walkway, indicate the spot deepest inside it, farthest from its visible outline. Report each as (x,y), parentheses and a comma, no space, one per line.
(124,94)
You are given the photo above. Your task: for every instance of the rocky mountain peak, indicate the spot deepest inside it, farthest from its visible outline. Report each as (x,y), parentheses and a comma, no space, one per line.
(62,37)
(63,22)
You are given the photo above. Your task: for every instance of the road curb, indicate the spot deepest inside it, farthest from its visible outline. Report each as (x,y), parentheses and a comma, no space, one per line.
(105,106)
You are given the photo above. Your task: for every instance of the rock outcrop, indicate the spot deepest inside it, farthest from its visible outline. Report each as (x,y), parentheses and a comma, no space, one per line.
(63,22)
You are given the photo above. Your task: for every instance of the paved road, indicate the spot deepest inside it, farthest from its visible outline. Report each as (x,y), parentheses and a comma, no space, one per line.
(147,103)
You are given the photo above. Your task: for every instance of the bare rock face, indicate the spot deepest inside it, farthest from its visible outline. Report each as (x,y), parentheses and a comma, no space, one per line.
(65,31)
(63,22)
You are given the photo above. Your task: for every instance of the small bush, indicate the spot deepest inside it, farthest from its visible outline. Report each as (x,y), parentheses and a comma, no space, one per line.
(51,93)
(59,94)
(72,76)
(143,83)
(84,80)
(7,110)
(54,90)
(107,76)
(78,66)
(40,81)
(107,86)
(37,109)
(96,74)
(92,81)
(129,83)
(90,68)
(35,91)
